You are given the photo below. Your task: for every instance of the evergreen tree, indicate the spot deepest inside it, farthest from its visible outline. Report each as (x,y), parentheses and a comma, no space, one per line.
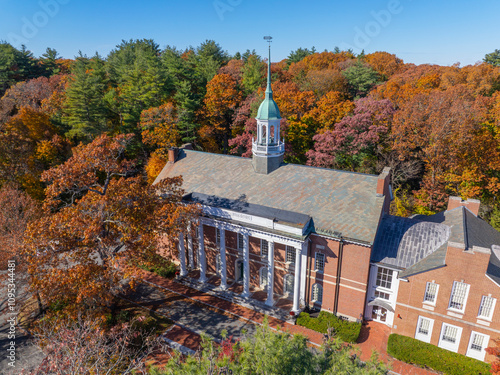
(360,78)
(493,58)
(49,61)
(86,111)
(187,105)
(253,74)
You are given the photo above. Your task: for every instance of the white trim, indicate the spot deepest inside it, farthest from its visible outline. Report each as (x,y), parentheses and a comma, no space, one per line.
(460,321)
(466,296)
(424,337)
(483,317)
(320,290)
(432,303)
(451,346)
(474,353)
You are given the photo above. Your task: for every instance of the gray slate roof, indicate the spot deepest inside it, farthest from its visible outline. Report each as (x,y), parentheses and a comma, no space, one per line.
(337,201)
(401,241)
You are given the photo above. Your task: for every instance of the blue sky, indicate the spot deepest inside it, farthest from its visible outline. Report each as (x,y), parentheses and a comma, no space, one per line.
(418,31)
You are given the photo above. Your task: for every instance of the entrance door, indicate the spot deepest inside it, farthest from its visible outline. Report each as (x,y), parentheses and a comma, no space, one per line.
(239,270)
(379,314)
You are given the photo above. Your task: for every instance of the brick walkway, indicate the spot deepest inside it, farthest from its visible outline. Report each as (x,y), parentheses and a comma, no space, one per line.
(373,335)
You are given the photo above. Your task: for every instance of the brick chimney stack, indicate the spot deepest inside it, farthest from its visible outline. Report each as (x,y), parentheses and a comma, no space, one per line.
(472,204)
(173,153)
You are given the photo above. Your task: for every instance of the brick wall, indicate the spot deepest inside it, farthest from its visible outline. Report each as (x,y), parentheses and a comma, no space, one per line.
(466,266)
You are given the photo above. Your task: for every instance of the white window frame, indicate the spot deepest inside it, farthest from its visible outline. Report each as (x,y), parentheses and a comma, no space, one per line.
(430,284)
(287,277)
(492,308)
(445,344)
(464,303)
(390,273)
(240,241)
(290,250)
(421,336)
(262,242)
(316,256)
(317,288)
(474,353)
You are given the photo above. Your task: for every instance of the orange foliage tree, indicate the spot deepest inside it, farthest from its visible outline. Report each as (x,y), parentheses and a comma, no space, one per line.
(159,128)
(98,221)
(221,100)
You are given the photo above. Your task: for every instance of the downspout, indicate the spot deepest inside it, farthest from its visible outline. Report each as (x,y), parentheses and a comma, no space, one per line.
(308,278)
(339,269)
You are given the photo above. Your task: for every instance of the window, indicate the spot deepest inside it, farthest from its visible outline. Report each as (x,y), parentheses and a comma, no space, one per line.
(487,307)
(450,337)
(289,284)
(317,293)
(319,263)
(263,277)
(382,295)
(477,343)
(431,293)
(264,248)
(290,254)
(384,278)
(240,241)
(218,265)
(217,236)
(424,329)
(458,296)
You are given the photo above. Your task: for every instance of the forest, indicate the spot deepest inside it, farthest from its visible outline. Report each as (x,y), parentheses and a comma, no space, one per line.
(437,127)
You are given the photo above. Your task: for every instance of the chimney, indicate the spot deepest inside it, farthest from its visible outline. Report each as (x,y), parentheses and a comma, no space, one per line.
(173,152)
(384,188)
(472,204)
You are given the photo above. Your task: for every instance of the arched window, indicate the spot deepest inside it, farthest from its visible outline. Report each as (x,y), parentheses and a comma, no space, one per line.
(288,282)
(263,277)
(317,293)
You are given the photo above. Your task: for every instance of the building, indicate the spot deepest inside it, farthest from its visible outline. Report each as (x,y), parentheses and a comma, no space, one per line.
(279,232)
(289,236)
(436,278)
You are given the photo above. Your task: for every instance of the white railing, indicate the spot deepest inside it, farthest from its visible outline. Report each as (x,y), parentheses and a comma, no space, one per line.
(271,149)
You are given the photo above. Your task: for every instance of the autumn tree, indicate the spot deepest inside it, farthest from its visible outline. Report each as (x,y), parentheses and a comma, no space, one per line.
(99,219)
(18,210)
(385,64)
(354,142)
(84,347)
(220,103)
(159,128)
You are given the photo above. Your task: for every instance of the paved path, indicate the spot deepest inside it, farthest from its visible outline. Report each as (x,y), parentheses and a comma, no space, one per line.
(227,315)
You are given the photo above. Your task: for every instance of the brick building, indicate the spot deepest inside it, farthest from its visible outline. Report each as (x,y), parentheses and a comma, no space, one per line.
(290,232)
(290,236)
(436,278)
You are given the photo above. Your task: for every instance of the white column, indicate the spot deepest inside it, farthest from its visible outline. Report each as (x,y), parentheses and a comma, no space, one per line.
(202,258)
(270,274)
(182,255)
(296,283)
(246,267)
(190,251)
(223,272)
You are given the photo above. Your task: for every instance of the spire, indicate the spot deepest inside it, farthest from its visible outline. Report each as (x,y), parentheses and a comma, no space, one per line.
(269,91)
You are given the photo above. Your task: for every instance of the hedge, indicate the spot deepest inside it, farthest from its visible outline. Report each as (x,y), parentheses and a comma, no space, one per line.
(347,331)
(414,351)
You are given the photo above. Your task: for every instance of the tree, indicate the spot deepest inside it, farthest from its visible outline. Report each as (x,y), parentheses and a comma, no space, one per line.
(84,347)
(354,142)
(18,210)
(272,352)
(159,128)
(493,58)
(253,74)
(85,107)
(209,58)
(49,61)
(299,54)
(98,221)
(220,102)
(385,64)
(360,79)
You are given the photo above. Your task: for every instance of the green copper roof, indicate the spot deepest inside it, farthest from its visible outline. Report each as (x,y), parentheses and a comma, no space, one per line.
(268,109)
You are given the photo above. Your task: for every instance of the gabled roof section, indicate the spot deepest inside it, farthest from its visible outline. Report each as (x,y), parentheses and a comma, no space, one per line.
(338,201)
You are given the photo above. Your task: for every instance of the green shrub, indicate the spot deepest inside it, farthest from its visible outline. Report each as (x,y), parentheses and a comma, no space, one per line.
(347,331)
(165,268)
(413,351)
